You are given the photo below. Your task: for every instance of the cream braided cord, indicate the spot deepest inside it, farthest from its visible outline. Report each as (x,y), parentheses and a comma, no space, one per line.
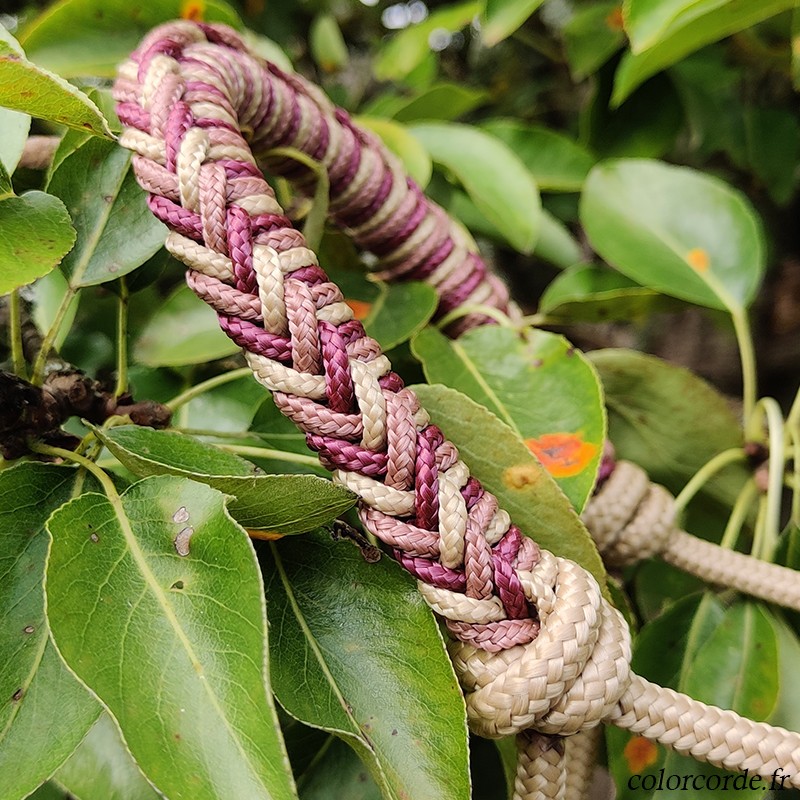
(536,647)
(581,757)
(632,519)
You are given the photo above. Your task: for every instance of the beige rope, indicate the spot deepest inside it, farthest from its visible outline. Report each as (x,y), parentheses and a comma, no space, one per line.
(581,759)
(632,519)
(541,774)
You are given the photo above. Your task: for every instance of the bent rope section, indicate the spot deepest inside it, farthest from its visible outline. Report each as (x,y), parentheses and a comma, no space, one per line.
(632,519)
(538,650)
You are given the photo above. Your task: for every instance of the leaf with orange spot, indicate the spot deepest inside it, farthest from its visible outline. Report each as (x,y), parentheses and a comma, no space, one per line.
(615,20)
(640,753)
(538,384)
(698,259)
(562,454)
(359,308)
(193,10)
(675,230)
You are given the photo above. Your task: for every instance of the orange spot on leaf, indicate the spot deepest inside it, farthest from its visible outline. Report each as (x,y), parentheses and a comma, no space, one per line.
(614,20)
(193,10)
(562,454)
(640,753)
(360,308)
(698,259)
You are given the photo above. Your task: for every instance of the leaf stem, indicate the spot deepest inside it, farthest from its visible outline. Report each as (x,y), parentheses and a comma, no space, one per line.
(51,335)
(738,515)
(206,386)
(122,339)
(15,335)
(266,452)
(705,474)
(767,533)
(744,336)
(90,466)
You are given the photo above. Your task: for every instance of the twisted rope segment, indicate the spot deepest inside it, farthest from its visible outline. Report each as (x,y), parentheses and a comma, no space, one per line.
(535,644)
(632,519)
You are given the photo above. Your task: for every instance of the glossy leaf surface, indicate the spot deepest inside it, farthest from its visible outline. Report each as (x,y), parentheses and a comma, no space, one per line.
(28,88)
(399,312)
(35,235)
(668,420)
(555,161)
(184,330)
(91,37)
(675,230)
(355,651)
(284,503)
(34,741)
(503,17)
(495,178)
(116,231)
(663,33)
(165,577)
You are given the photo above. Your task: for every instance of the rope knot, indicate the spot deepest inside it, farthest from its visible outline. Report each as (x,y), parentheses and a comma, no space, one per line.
(630,518)
(568,678)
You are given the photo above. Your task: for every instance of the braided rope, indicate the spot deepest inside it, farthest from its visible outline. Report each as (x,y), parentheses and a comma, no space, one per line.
(535,644)
(581,757)
(632,519)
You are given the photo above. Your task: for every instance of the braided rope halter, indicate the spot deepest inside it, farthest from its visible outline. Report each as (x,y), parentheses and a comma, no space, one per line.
(537,649)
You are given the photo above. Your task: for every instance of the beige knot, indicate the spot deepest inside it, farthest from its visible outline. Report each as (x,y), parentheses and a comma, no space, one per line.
(567,679)
(630,518)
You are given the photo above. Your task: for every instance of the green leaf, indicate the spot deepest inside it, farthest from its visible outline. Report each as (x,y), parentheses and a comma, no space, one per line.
(662,650)
(676,230)
(34,683)
(165,579)
(442,101)
(327,43)
(538,384)
(356,651)
(35,235)
(505,466)
(409,48)
(15,126)
(227,408)
(28,88)
(590,293)
(503,17)
(735,667)
(116,230)
(102,768)
(493,176)
(184,330)
(48,791)
(554,243)
(786,713)
(400,311)
(592,35)
(662,33)
(406,147)
(668,420)
(6,188)
(78,38)
(283,503)
(555,161)
(338,774)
